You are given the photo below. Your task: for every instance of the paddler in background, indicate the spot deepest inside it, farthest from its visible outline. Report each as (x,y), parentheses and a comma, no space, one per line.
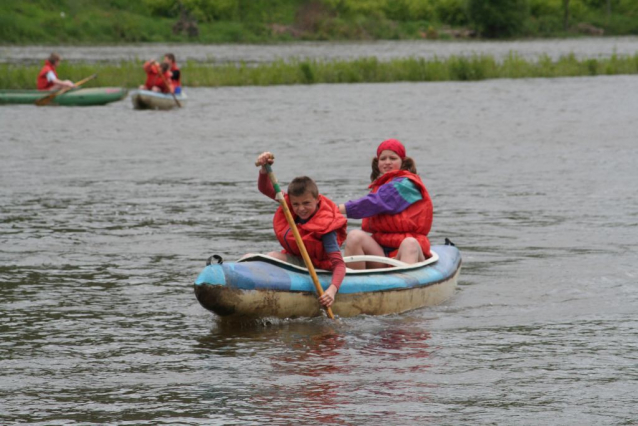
(48,78)
(158,77)
(176,73)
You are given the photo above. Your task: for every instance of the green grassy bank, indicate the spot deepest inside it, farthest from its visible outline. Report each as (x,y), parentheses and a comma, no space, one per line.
(216,21)
(366,70)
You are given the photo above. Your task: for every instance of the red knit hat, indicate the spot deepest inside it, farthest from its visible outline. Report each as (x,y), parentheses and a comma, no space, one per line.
(392,145)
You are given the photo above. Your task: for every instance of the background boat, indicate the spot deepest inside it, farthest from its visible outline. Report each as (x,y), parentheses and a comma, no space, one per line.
(147,99)
(79,97)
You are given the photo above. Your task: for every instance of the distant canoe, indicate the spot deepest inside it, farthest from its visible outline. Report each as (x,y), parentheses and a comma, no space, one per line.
(147,99)
(260,286)
(77,97)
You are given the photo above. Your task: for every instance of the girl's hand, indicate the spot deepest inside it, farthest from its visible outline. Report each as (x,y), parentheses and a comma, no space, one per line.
(328,297)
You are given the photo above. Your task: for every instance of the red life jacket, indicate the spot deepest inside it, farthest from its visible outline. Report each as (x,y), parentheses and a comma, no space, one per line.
(154,78)
(389,230)
(326,219)
(177,82)
(42,82)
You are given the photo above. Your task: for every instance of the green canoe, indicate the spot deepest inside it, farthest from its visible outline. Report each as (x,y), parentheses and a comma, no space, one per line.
(77,97)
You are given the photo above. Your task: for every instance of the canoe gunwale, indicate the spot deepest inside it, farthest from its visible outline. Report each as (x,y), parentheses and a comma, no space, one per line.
(399,266)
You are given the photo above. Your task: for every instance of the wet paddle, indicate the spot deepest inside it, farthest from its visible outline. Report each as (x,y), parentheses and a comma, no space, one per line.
(279,196)
(48,98)
(166,83)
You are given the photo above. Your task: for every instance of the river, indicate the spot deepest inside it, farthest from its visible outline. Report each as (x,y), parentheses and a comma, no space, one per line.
(584,47)
(107,216)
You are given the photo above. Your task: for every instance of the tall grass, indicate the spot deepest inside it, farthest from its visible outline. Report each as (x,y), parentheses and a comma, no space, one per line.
(311,71)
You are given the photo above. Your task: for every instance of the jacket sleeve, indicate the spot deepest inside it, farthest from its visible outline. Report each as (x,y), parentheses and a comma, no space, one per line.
(265,185)
(149,67)
(338,268)
(391,198)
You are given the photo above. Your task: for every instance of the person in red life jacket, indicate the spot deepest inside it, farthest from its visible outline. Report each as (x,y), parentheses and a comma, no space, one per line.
(321,225)
(176,73)
(48,78)
(154,80)
(397,213)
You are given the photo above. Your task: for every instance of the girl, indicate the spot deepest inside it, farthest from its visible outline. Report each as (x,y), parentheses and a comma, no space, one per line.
(397,213)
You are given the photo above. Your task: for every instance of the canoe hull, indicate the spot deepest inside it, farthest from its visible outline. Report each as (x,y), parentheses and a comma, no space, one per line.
(147,99)
(228,291)
(235,303)
(80,97)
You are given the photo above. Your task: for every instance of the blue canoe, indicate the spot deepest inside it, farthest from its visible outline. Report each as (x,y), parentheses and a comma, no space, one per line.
(259,286)
(147,99)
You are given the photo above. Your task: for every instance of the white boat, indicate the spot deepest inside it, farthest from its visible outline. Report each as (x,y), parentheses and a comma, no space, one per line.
(147,99)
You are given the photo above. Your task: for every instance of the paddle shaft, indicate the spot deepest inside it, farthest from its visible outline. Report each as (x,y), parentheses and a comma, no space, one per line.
(279,196)
(168,87)
(48,98)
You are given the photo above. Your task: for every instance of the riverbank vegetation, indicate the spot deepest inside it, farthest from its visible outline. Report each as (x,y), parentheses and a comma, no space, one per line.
(216,21)
(365,70)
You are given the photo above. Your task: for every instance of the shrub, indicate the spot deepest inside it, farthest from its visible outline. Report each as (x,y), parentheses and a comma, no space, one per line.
(452,12)
(498,18)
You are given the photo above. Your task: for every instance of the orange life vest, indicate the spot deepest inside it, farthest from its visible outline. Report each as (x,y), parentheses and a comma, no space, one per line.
(177,82)
(389,230)
(154,78)
(326,219)
(42,82)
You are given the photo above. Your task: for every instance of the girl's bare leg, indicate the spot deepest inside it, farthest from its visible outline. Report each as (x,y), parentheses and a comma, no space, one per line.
(360,243)
(410,251)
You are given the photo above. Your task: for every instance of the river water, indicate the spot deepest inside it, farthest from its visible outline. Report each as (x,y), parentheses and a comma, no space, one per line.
(585,47)
(107,216)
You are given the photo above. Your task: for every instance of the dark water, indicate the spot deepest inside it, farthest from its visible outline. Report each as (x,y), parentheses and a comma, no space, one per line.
(585,47)
(107,215)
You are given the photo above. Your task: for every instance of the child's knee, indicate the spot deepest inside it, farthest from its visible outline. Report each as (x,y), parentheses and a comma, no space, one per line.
(411,244)
(356,236)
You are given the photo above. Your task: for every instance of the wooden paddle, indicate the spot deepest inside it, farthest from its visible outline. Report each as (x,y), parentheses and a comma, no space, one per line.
(48,98)
(279,196)
(166,83)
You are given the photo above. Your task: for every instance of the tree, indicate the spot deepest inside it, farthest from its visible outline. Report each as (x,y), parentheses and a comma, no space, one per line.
(498,18)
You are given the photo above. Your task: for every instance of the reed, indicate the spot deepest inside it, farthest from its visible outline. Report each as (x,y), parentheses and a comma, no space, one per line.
(311,71)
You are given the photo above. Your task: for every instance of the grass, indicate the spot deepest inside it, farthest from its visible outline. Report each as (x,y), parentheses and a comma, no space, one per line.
(365,70)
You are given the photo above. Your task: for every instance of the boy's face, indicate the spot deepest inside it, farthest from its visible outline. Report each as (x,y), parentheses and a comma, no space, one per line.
(304,205)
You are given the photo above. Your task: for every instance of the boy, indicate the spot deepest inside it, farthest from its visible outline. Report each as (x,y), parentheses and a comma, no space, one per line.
(154,80)
(321,225)
(48,77)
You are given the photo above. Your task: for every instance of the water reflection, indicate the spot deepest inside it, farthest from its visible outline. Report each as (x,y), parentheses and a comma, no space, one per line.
(319,369)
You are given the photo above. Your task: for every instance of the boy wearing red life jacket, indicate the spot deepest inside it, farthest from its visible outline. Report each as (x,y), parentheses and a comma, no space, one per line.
(154,80)
(48,78)
(321,225)
(176,73)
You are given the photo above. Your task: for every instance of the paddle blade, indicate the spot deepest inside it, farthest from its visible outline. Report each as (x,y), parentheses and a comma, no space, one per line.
(47,99)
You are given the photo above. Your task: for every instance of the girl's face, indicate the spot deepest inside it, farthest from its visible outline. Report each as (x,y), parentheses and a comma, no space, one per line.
(389,161)
(305,205)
